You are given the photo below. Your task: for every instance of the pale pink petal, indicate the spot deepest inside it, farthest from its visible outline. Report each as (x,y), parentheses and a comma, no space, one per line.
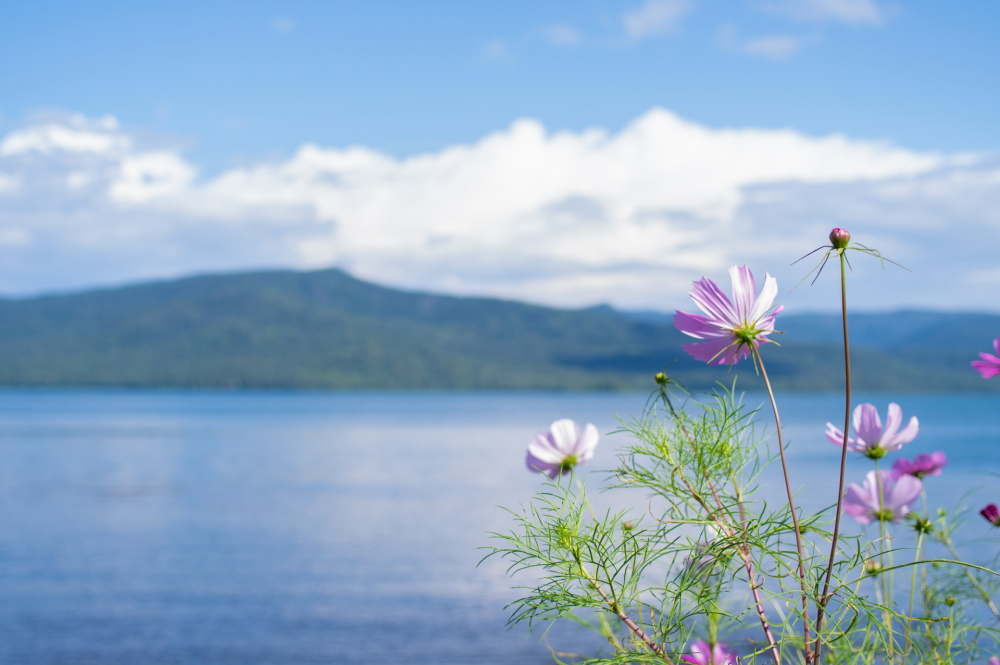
(834,435)
(765,300)
(543,448)
(744,292)
(867,424)
(586,444)
(900,494)
(723,351)
(565,433)
(710,298)
(698,325)
(909,433)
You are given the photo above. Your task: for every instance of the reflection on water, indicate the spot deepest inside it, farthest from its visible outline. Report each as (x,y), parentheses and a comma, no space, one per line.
(166,527)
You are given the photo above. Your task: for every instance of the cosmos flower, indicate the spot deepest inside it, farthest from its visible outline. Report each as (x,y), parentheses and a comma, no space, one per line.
(994,660)
(991,514)
(989,366)
(870,439)
(863,504)
(921,465)
(702,653)
(561,447)
(729,326)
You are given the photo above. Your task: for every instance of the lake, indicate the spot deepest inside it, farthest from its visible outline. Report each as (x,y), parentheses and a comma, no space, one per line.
(309,527)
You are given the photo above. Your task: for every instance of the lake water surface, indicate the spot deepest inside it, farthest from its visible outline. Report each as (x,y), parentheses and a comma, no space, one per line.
(307,527)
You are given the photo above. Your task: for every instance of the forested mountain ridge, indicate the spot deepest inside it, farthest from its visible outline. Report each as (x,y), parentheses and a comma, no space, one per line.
(325,329)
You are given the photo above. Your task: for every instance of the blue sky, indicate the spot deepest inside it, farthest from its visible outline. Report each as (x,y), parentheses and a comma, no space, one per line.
(563,152)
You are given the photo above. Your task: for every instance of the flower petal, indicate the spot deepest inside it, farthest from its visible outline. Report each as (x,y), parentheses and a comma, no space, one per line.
(867,424)
(565,434)
(744,292)
(586,444)
(710,298)
(699,325)
(765,300)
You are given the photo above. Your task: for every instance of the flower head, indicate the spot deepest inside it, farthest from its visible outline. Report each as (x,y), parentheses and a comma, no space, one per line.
(991,514)
(561,447)
(703,653)
(921,465)
(840,238)
(994,660)
(870,439)
(888,503)
(729,326)
(989,366)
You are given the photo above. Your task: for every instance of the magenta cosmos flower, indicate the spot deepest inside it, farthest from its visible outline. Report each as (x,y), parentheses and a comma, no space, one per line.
(561,447)
(703,653)
(729,326)
(989,366)
(870,438)
(991,514)
(890,503)
(921,465)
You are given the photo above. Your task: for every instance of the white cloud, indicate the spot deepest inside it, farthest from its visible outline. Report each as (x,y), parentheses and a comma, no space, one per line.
(655,17)
(562,35)
(771,47)
(76,135)
(852,12)
(571,218)
(774,47)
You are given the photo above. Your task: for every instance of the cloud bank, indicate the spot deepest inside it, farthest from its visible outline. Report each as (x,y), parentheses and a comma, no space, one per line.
(565,218)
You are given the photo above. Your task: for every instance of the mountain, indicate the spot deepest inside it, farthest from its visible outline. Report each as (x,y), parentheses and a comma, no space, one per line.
(326,329)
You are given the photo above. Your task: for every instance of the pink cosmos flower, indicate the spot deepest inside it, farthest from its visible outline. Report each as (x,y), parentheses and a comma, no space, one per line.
(991,514)
(557,450)
(994,660)
(989,366)
(870,439)
(729,326)
(703,653)
(864,504)
(921,465)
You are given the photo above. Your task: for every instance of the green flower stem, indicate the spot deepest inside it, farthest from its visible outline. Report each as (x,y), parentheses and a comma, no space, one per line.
(743,549)
(972,578)
(791,502)
(826,595)
(913,583)
(615,607)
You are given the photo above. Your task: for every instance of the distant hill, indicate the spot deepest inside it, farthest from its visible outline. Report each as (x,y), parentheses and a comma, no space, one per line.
(325,329)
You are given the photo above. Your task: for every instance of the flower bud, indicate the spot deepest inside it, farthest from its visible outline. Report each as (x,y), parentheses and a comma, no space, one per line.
(950,601)
(872,567)
(991,514)
(839,238)
(661,378)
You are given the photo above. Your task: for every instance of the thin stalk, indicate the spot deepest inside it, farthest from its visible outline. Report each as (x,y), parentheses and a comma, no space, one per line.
(617,609)
(972,578)
(744,548)
(791,501)
(825,596)
(913,585)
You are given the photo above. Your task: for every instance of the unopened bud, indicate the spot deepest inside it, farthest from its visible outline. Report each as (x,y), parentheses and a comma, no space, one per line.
(839,238)
(661,378)
(949,601)
(991,514)
(872,567)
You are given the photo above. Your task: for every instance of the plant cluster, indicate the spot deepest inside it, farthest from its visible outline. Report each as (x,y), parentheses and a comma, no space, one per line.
(710,573)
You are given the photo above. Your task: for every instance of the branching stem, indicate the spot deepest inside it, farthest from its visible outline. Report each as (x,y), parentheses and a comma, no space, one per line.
(791,502)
